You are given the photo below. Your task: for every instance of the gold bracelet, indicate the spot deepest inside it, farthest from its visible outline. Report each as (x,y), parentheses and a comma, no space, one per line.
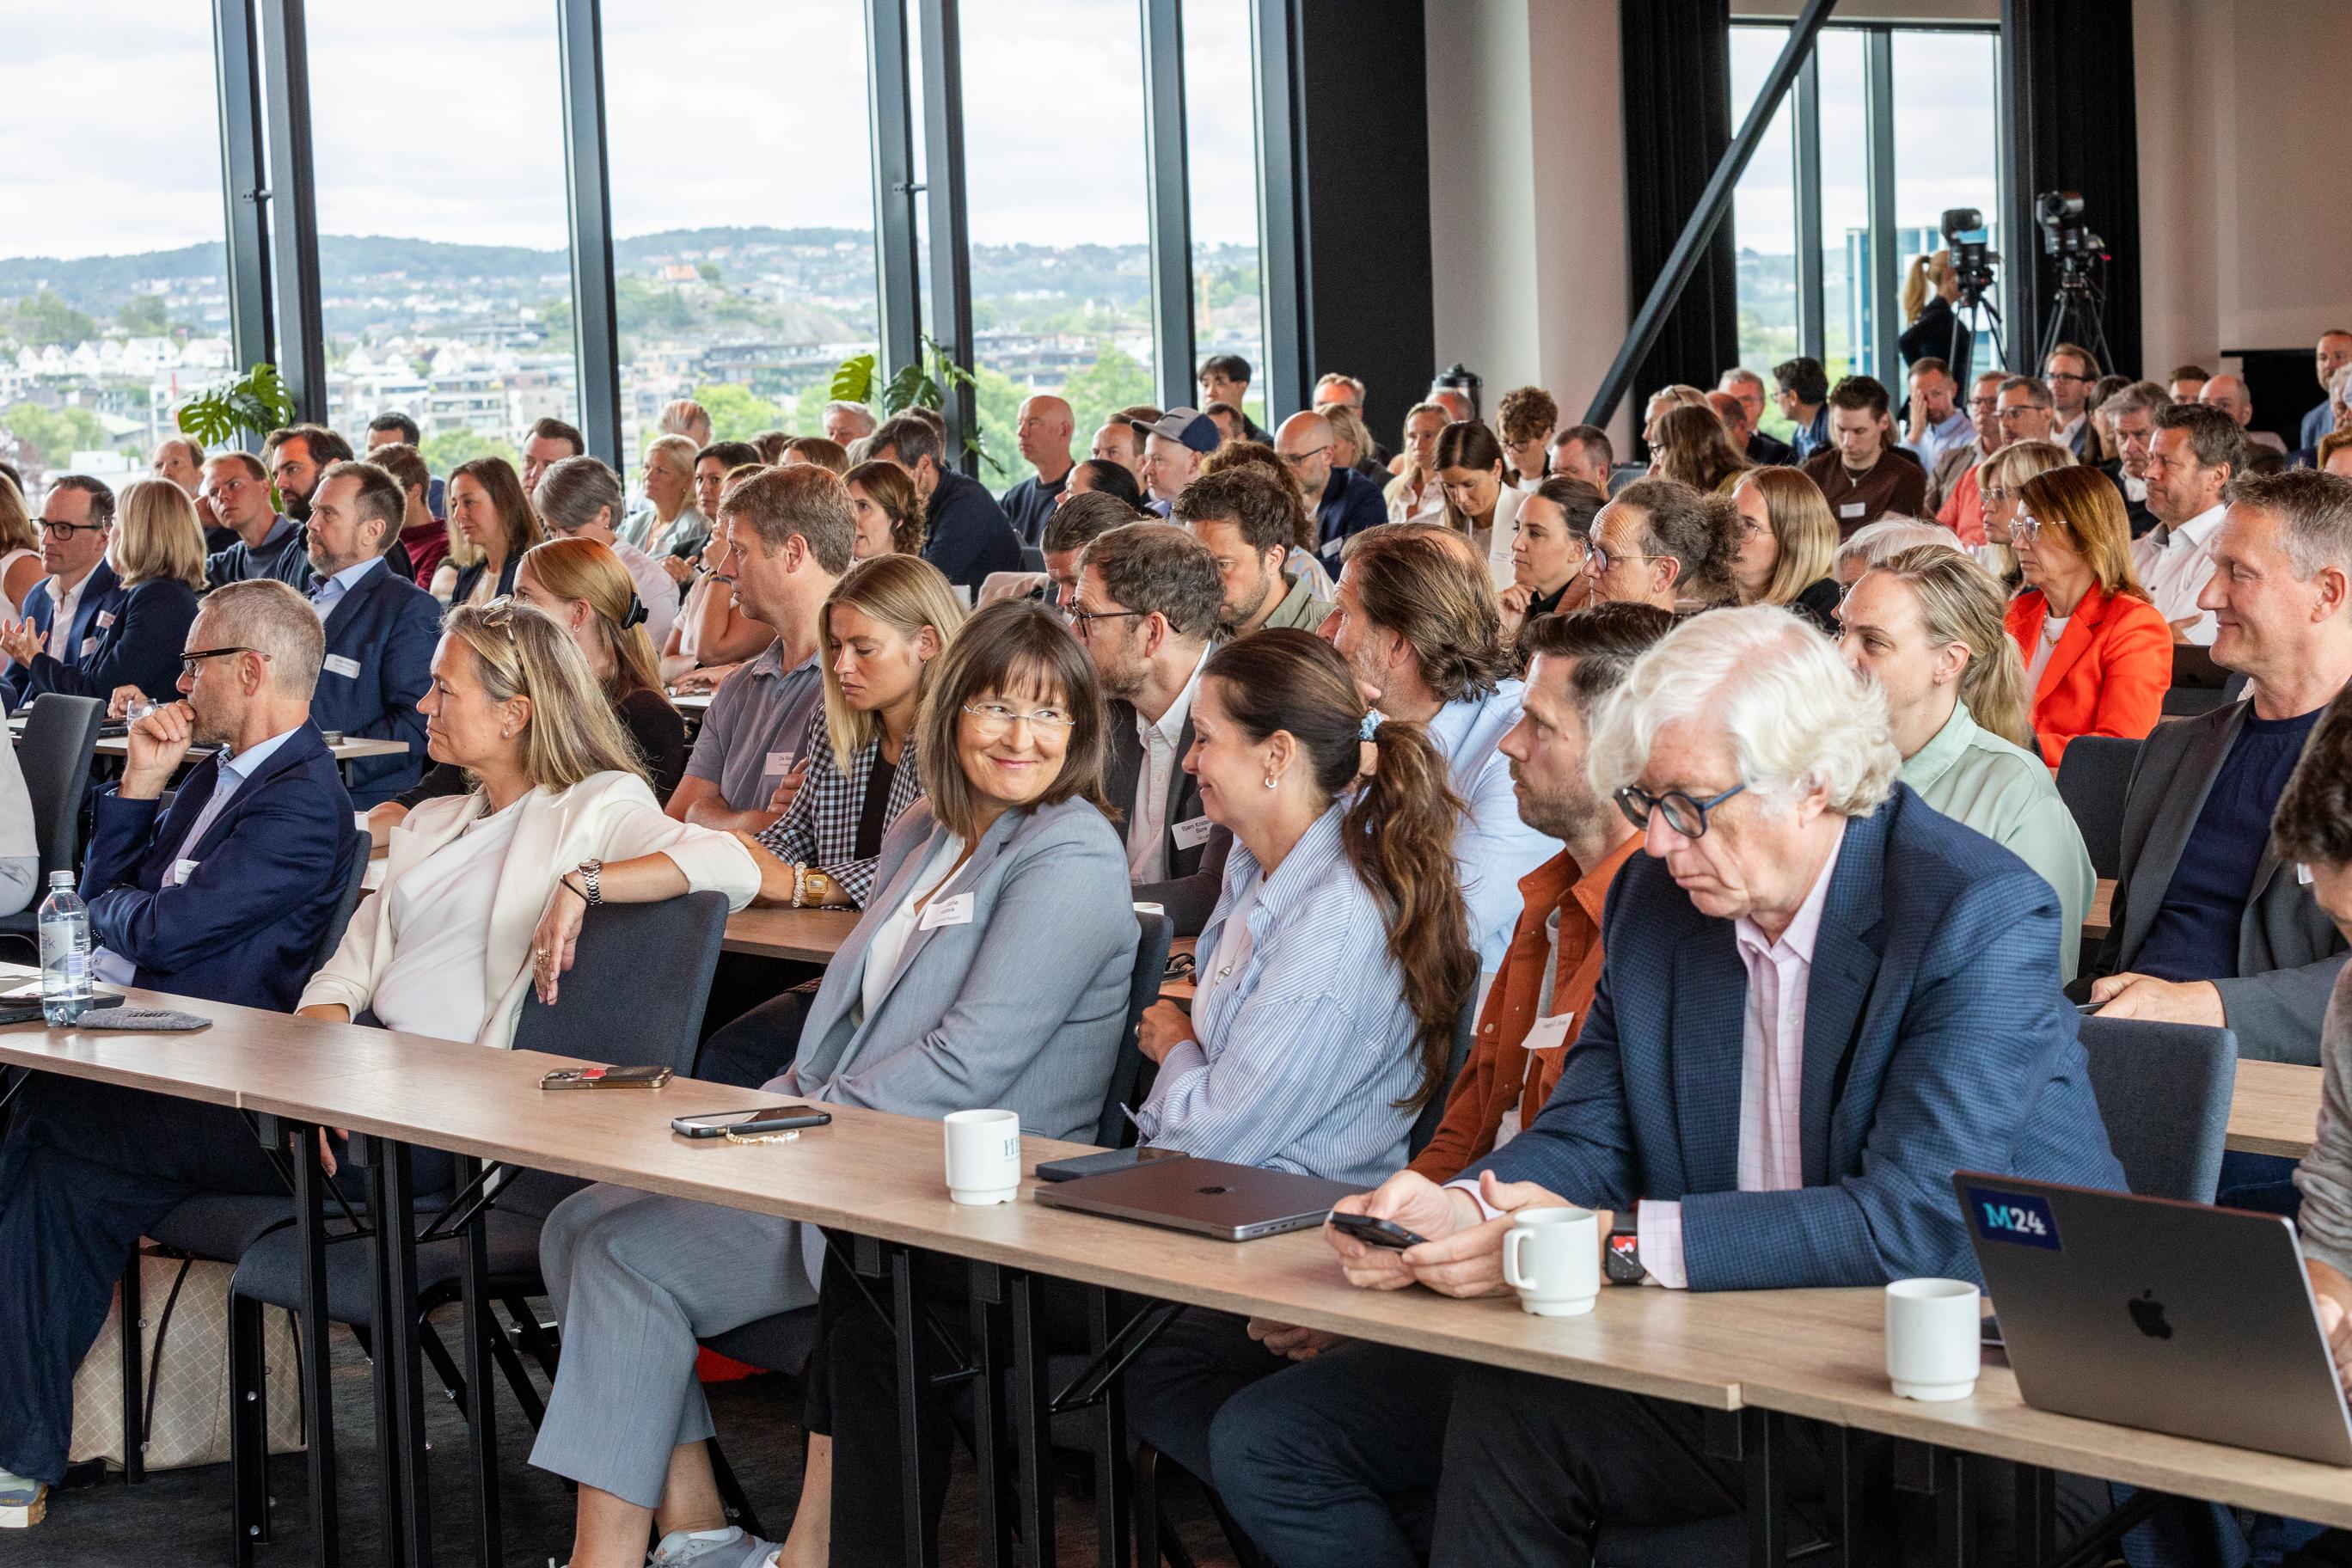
(784,1137)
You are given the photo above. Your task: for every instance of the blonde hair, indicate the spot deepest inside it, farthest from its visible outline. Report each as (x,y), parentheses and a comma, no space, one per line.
(16,522)
(1922,278)
(905,592)
(1961,602)
(521,652)
(156,536)
(2087,514)
(587,570)
(2010,469)
(676,448)
(1807,534)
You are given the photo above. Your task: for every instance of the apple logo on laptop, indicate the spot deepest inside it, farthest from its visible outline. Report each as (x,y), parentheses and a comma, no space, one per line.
(2147,1316)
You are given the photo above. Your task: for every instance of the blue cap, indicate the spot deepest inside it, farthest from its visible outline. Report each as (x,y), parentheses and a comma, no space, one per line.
(1188,425)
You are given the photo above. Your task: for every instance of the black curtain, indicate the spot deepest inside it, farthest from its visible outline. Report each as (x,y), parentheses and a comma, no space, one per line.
(1676,59)
(2073,126)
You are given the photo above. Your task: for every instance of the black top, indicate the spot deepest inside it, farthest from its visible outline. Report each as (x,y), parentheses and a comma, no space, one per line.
(874,808)
(1819,605)
(655,732)
(1930,337)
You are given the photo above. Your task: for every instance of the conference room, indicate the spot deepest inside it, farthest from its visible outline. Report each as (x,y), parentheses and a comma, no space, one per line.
(1542,781)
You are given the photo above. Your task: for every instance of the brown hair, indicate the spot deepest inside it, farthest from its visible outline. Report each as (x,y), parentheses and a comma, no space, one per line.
(16,522)
(2082,505)
(381,496)
(504,487)
(1694,446)
(324,445)
(1235,456)
(1466,444)
(892,489)
(1526,414)
(405,464)
(1084,518)
(1398,830)
(1604,640)
(587,570)
(825,453)
(1010,647)
(1439,602)
(2312,823)
(1266,513)
(803,500)
(1159,569)
(1802,524)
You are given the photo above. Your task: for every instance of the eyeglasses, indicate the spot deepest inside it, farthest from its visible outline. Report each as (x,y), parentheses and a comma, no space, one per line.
(992,719)
(1084,619)
(1299,459)
(1993,495)
(1986,404)
(1603,558)
(1683,815)
(68,530)
(2021,411)
(2067,376)
(188,662)
(2023,527)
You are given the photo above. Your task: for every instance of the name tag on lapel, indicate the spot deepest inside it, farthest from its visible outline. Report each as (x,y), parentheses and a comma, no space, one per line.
(1549,1034)
(1191,834)
(338,665)
(955,912)
(1853,508)
(2302,875)
(105,619)
(181,871)
(89,646)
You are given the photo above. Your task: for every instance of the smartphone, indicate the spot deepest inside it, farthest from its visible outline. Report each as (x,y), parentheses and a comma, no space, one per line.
(1376,1232)
(1078,1165)
(605,1078)
(770,1119)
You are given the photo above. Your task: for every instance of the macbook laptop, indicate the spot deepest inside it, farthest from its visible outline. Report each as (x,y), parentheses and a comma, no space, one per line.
(2169,1316)
(1207,1197)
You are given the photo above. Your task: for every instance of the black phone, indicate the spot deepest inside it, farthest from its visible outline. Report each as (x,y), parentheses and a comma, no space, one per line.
(1078,1165)
(770,1118)
(1375,1232)
(606,1077)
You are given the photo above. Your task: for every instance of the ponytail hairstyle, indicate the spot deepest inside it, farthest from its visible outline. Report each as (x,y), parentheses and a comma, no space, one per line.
(585,569)
(906,593)
(1398,832)
(1960,601)
(1922,278)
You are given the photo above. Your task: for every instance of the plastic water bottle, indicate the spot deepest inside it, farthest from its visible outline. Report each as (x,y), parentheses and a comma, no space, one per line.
(66,989)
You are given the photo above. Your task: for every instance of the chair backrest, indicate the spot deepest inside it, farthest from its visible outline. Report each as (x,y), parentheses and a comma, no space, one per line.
(1424,1126)
(2092,778)
(637,985)
(1112,1130)
(55,758)
(354,888)
(2164,1093)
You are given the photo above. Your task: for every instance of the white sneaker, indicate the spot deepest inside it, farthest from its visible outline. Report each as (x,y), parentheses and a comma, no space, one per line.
(728,1547)
(23,1501)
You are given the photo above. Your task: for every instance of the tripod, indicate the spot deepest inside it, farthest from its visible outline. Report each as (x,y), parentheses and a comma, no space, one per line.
(1978,315)
(2074,315)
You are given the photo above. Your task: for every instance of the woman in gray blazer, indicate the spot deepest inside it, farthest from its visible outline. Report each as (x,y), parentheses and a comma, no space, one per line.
(940,1000)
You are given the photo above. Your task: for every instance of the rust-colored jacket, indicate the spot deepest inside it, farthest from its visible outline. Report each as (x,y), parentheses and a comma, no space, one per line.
(2108,674)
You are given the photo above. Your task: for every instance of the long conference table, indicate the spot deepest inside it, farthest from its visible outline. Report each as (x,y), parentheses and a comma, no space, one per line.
(1747,1357)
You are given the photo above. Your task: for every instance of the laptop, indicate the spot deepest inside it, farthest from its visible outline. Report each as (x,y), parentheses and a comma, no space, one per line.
(1207,1198)
(2148,1312)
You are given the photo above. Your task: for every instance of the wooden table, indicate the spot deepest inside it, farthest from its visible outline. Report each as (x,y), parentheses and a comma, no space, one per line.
(2274,1109)
(346,752)
(695,702)
(2096,919)
(1179,990)
(804,936)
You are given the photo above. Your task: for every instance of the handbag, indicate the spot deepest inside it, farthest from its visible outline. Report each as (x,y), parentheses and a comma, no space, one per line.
(184,1336)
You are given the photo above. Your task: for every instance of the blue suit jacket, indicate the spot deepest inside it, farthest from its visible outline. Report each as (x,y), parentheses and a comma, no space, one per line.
(1935,1038)
(103,593)
(380,638)
(244,926)
(140,646)
(1350,504)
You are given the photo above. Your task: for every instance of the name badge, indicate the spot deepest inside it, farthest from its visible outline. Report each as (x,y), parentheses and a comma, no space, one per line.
(105,619)
(1549,1034)
(89,646)
(181,871)
(2302,875)
(339,665)
(1853,508)
(1191,834)
(778,764)
(955,912)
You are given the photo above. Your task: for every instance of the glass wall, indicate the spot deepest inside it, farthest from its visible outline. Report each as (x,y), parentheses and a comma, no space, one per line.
(1764,213)
(1943,79)
(113,269)
(1220,169)
(444,250)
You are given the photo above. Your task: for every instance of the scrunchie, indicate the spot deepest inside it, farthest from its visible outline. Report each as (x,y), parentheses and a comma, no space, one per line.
(1372,722)
(1368,748)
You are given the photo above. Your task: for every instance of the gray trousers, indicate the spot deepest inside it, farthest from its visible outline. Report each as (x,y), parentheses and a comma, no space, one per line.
(635,1281)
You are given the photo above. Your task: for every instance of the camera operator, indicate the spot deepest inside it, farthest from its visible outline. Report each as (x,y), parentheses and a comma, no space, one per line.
(1930,288)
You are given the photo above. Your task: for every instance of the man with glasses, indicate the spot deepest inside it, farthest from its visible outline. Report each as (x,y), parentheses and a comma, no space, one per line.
(1146,613)
(1770,1090)
(2193,454)
(80,592)
(1983,410)
(2131,414)
(1344,503)
(2022,412)
(2071,373)
(1659,543)
(267,546)
(1748,388)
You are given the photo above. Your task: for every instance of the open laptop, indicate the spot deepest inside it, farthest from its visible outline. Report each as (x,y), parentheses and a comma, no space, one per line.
(2147,1312)
(1207,1197)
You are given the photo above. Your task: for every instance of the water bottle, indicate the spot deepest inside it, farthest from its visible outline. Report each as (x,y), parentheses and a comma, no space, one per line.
(64,953)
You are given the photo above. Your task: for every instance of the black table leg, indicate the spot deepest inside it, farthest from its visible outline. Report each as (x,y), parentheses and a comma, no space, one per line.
(914,1373)
(482,1382)
(317,1362)
(1033,1436)
(1754,1437)
(988,1449)
(395,1231)
(1111,1476)
(391,1508)
(2037,1516)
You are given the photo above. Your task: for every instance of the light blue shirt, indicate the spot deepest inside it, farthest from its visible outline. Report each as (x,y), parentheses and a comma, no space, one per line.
(112,966)
(1303,1050)
(1492,849)
(1937,439)
(329,593)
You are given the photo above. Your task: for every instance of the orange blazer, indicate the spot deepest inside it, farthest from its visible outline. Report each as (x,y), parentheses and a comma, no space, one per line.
(2108,674)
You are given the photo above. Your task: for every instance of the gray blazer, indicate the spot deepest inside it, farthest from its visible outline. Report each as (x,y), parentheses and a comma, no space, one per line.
(2289,952)
(1021,1008)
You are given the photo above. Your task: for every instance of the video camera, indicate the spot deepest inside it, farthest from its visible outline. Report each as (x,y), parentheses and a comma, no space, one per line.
(2064,235)
(1972,259)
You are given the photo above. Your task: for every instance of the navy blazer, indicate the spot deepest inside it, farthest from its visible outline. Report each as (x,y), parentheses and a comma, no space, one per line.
(103,593)
(1936,1039)
(966,534)
(139,645)
(246,925)
(1350,504)
(469,576)
(380,638)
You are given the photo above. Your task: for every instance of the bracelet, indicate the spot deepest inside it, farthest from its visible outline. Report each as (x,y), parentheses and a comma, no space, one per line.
(800,883)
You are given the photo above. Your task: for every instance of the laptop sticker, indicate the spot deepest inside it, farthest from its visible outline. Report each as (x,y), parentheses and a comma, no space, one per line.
(2019,1218)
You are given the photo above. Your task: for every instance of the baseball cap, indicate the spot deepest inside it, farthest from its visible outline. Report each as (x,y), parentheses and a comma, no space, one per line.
(1188,425)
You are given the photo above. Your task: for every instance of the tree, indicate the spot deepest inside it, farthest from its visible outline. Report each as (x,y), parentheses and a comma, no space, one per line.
(56,433)
(736,413)
(44,318)
(450,447)
(707,270)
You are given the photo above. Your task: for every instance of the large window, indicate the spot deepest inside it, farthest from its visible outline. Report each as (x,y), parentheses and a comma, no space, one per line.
(444,256)
(743,208)
(113,272)
(1764,213)
(1220,159)
(1060,225)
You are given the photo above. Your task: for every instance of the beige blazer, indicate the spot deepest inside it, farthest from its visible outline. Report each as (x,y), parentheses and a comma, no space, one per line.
(608,817)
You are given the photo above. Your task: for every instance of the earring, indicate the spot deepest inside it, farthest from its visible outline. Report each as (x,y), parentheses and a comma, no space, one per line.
(1271,781)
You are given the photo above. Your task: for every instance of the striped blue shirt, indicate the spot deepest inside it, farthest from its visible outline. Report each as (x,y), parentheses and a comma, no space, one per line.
(1301,1053)
(1492,849)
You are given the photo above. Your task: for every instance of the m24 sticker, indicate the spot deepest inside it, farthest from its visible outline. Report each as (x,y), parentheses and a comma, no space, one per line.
(2019,1218)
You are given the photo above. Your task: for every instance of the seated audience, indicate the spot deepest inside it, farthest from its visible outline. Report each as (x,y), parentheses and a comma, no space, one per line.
(2331,358)
(684,417)
(2186,382)
(1883,540)
(1800,390)
(1173,446)
(2098,657)
(965,533)
(1961,458)
(889,512)
(1526,418)
(1926,628)
(1352,446)
(1549,544)
(423,537)
(1999,478)
(1119,443)
(1583,452)
(1748,388)
(1865,474)
(1787,544)
(1231,421)
(1418,626)
(2129,416)
(1101,474)
(1042,430)
(237,486)
(1760,773)
(296,456)
(1078,522)
(2072,373)
(1481,504)
(2209,927)
(670,522)
(1303,561)
(2022,412)
(1295,1451)
(1225,378)
(1415,494)
(2335,455)
(1343,502)
(1659,543)
(1936,423)
(1250,522)
(2229,394)
(549,441)
(711,635)
(828,455)
(847,422)
(579,498)
(80,594)
(787,533)
(2313,829)
(2194,454)
(917,1023)
(226,897)
(487,506)
(157,552)
(20,553)
(1692,446)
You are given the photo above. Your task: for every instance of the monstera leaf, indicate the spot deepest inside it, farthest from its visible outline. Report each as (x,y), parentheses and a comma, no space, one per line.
(255,402)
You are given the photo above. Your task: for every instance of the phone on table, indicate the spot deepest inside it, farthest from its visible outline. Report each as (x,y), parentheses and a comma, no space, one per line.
(1375,1232)
(770,1118)
(1078,1165)
(605,1078)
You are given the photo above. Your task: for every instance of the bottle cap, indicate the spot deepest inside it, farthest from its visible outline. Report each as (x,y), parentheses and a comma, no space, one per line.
(61,878)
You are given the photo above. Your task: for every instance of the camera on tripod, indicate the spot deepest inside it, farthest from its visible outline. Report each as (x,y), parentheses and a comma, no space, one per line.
(1973,260)
(2064,235)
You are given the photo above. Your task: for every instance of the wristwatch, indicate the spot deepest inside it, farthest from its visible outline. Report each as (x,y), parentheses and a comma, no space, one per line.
(1622,1257)
(590,870)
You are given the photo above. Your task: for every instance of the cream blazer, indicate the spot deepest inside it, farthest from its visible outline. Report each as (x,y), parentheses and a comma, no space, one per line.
(608,817)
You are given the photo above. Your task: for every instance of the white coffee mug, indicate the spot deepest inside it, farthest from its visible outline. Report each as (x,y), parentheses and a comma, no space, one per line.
(1934,1338)
(983,1156)
(1551,1256)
